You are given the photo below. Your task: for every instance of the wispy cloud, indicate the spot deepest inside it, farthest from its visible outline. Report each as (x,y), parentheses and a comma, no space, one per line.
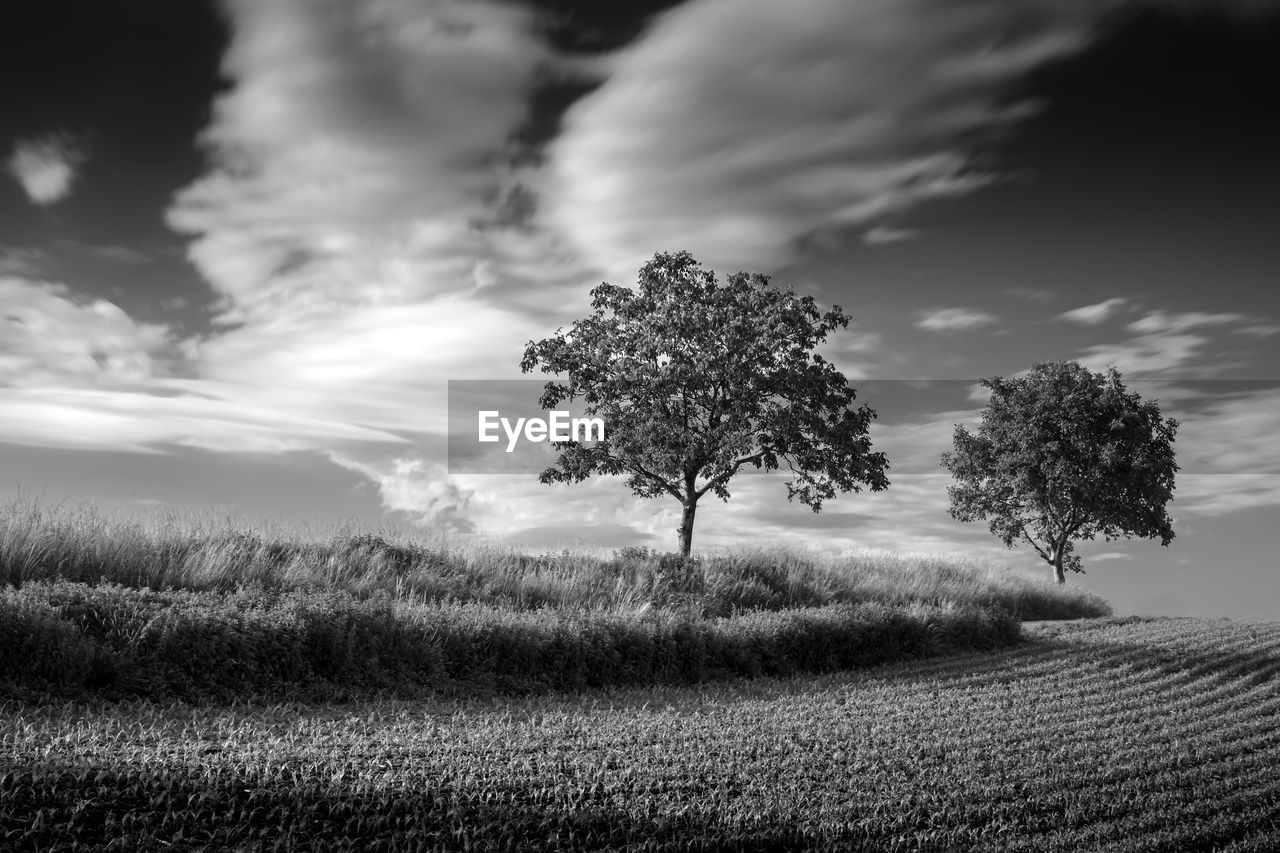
(1150,355)
(979,394)
(840,113)
(352,225)
(954,320)
(1162,322)
(353,220)
(1258,330)
(46,166)
(1232,434)
(883,234)
(1171,343)
(169,413)
(357,152)
(1223,494)
(1093,315)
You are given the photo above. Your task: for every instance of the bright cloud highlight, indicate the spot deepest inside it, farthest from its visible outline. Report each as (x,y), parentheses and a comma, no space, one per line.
(46,166)
(1093,315)
(955,320)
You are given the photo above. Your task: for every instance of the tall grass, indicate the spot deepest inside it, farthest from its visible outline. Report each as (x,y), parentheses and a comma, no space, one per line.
(66,639)
(199,606)
(203,553)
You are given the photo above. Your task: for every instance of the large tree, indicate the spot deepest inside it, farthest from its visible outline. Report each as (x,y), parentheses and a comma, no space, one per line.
(696,380)
(1065,454)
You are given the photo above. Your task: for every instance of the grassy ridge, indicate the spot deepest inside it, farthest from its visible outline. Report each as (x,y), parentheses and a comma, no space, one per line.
(112,607)
(1133,735)
(39,542)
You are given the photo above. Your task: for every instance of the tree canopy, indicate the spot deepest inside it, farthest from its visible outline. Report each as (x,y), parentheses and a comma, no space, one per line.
(697,379)
(1064,454)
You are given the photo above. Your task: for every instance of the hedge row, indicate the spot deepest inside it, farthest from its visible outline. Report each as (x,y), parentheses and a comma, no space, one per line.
(71,639)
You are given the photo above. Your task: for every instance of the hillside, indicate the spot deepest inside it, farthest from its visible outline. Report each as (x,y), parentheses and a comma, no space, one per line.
(205,609)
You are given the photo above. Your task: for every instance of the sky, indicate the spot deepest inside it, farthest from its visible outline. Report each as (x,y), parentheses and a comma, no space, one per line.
(245,247)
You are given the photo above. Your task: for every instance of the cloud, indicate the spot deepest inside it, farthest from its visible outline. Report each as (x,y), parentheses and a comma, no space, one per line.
(1222,494)
(416,488)
(79,372)
(1231,434)
(1161,322)
(167,414)
(883,234)
(46,166)
(357,152)
(353,221)
(954,320)
(51,338)
(1092,315)
(1217,445)
(979,394)
(1259,330)
(352,225)
(1170,343)
(1148,355)
(839,113)
(916,446)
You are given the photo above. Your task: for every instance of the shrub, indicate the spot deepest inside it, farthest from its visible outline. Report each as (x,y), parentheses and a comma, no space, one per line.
(118,641)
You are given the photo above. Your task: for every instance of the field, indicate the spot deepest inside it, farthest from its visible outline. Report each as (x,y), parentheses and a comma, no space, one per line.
(213,685)
(1110,734)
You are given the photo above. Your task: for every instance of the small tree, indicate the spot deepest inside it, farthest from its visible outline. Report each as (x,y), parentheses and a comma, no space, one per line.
(1065,454)
(696,380)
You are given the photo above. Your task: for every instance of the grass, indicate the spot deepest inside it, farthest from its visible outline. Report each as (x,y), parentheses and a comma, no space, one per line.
(83,544)
(192,608)
(1125,735)
(66,639)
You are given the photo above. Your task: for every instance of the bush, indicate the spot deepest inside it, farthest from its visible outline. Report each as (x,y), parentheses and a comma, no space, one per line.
(117,641)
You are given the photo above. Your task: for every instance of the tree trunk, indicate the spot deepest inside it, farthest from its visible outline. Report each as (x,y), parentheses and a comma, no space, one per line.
(1058,573)
(686,526)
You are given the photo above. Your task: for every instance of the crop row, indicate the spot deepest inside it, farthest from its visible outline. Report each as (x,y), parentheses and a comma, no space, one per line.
(1139,735)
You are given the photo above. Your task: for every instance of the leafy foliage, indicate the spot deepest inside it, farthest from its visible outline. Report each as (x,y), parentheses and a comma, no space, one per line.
(1065,454)
(696,380)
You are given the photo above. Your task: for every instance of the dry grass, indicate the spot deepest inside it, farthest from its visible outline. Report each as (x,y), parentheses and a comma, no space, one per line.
(224,554)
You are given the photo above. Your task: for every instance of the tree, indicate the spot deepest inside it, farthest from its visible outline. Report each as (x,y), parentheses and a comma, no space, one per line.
(1065,454)
(696,380)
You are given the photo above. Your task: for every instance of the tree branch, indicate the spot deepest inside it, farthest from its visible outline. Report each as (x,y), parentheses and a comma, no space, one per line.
(1039,550)
(637,468)
(725,477)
